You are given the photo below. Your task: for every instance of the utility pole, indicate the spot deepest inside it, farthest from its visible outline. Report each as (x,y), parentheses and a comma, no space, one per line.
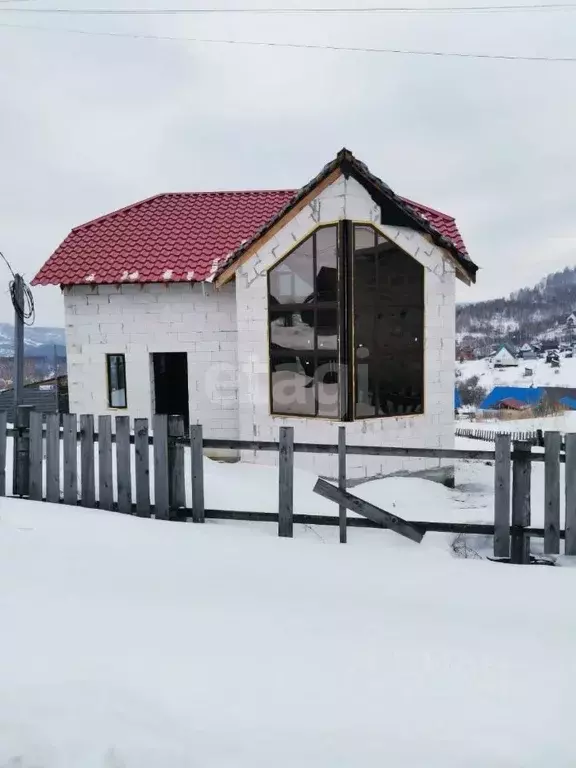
(18,341)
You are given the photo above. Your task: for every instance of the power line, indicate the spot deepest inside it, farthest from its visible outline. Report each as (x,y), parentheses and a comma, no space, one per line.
(537,7)
(307,46)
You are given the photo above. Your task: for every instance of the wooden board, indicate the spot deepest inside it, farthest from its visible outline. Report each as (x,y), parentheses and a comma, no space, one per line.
(36,456)
(3,444)
(521,483)
(87,481)
(377,515)
(105,473)
(502,497)
(286,482)
(570,544)
(197,459)
(53,458)
(70,477)
(142,460)
(552,445)
(123,470)
(161,475)
(177,486)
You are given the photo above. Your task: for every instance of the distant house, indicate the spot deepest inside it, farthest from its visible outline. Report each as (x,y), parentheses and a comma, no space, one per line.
(527,352)
(505,357)
(513,397)
(571,320)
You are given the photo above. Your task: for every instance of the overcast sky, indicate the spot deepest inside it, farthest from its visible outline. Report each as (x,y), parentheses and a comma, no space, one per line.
(89,124)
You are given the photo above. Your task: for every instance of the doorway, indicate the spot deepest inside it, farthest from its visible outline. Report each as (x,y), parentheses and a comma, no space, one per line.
(170,373)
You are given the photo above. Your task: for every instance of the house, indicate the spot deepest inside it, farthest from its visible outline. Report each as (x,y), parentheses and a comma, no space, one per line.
(505,357)
(527,352)
(525,396)
(571,320)
(245,311)
(47,396)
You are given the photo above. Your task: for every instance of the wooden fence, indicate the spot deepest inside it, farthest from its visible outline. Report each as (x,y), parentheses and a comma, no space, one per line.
(534,437)
(46,468)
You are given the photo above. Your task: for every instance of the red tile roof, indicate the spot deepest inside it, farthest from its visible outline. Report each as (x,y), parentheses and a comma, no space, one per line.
(178,237)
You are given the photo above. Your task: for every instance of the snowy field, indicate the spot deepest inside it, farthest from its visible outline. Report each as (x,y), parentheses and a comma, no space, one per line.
(544,374)
(130,643)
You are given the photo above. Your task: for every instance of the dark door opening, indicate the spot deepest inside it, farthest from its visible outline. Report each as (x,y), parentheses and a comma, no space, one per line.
(171,384)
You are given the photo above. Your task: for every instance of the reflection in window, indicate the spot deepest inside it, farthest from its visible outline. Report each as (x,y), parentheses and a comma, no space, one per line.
(116,372)
(303,314)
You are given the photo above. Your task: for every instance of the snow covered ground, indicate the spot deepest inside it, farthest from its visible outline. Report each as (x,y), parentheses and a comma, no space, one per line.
(130,643)
(562,422)
(544,374)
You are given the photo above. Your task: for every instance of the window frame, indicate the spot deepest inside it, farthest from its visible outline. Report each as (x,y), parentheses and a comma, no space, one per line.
(109,357)
(345,348)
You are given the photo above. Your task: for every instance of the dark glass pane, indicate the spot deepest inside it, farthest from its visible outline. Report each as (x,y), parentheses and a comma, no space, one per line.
(293,390)
(326,264)
(292,330)
(292,280)
(327,387)
(117,381)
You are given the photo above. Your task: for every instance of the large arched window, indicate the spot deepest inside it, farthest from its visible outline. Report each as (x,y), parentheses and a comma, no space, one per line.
(346,327)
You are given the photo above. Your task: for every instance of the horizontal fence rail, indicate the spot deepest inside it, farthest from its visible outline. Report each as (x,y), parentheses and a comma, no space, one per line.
(103,463)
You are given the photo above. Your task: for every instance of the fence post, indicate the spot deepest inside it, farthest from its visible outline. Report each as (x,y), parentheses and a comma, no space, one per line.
(70,447)
(521,476)
(342,481)
(196,449)
(552,442)
(3,441)
(142,461)
(161,492)
(21,470)
(177,483)
(286,482)
(105,474)
(123,465)
(87,483)
(570,478)
(53,458)
(502,497)
(36,453)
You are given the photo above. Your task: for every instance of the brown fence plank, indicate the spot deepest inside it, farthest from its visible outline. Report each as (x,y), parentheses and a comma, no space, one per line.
(123,468)
(69,438)
(36,456)
(342,481)
(3,444)
(88,488)
(142,462)
(177,481)
(521,482)
(502,497)
(286,482)
(372,512)
(570,480)
(105,473)
(53,457)
(197,458)
(552,445)
(161,484)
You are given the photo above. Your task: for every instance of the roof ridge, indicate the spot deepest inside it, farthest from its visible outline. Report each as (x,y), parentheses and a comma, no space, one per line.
(138,203)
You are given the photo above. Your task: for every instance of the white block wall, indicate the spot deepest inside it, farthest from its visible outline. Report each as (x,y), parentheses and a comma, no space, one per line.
(138,320)
(432,429)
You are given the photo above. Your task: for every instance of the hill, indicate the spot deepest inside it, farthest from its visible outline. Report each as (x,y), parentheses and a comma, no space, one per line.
(526,315)
(38,342)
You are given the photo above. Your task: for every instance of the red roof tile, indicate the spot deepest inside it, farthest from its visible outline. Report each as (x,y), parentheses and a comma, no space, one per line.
(178,237)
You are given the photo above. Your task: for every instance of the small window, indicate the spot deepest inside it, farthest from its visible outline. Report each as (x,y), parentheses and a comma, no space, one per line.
(116,369)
